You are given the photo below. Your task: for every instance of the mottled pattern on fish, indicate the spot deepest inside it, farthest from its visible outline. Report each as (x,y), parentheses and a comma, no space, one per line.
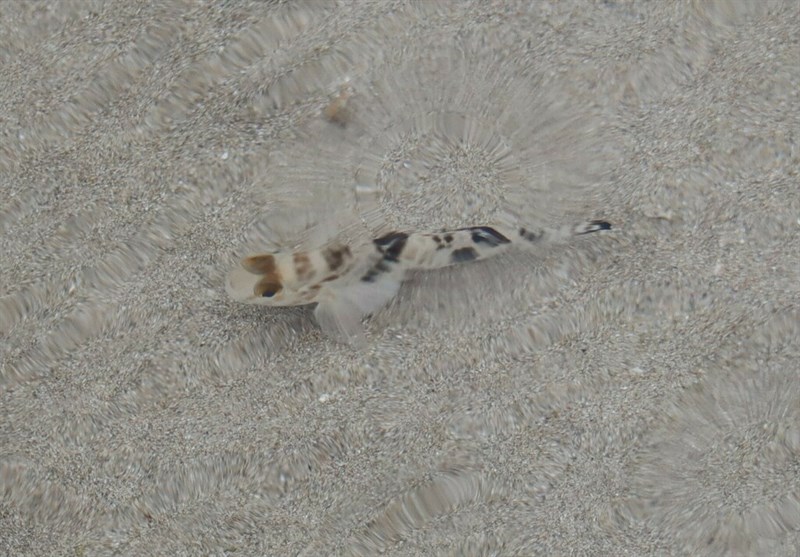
(347,286)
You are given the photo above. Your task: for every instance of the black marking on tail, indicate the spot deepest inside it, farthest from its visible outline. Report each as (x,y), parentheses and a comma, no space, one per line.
(595,226)
(440,244)
(529,235)
(487,235)
(463,255)
(391,245)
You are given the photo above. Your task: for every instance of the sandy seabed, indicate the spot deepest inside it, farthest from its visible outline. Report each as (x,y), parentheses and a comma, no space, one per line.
(628,393)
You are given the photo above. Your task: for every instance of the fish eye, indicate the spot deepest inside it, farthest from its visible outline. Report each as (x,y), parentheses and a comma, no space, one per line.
(267,288)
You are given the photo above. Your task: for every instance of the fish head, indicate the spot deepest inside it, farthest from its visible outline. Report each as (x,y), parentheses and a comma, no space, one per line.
(260,280)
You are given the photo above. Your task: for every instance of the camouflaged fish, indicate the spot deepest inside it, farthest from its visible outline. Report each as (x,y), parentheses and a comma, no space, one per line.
(348,286)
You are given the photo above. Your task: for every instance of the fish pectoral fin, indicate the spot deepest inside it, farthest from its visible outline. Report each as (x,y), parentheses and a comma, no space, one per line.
(340,313)
(370,296)
(340,320)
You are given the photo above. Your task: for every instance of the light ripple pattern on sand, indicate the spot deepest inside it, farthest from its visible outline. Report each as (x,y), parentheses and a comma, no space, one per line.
(740,424)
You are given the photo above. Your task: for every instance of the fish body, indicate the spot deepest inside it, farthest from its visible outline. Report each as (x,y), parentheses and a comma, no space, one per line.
(347,285)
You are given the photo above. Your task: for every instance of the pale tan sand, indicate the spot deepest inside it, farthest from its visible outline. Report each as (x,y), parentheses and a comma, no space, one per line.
(634,393)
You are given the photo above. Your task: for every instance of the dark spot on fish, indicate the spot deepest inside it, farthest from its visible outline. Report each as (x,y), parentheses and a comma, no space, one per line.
(391,245)
(330,278)
(371,275)
(380,267)
(442,243)
(487,235)
(462,255)
(260,264)
(302,266)
(335,256)
(529,235)
(267,288)
(264,265)
(596,226)
(390,238)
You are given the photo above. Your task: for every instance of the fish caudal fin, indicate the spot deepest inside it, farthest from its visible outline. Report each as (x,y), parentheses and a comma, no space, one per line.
(591,226)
